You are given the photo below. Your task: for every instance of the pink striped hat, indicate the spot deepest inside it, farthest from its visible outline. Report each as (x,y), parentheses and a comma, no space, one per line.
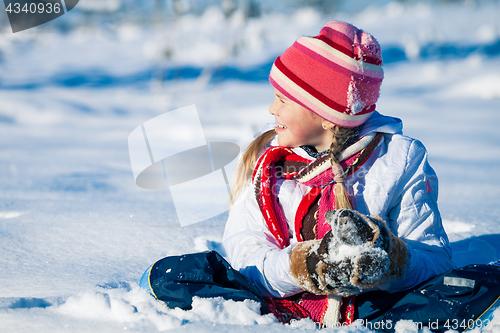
(336,75)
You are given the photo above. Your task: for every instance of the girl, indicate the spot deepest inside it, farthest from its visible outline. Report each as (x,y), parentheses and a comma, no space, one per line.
(335,205)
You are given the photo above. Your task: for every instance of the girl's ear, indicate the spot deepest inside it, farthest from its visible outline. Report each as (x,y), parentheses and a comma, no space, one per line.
(327,125)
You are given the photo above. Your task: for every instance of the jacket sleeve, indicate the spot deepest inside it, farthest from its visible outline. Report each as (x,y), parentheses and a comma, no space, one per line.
(414,217)
(252,249)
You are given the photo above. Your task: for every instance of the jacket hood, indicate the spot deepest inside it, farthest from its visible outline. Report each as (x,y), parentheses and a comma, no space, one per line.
(380,123)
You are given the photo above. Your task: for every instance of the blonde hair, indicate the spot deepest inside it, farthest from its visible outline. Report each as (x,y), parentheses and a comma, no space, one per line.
(341,135)
(246,164)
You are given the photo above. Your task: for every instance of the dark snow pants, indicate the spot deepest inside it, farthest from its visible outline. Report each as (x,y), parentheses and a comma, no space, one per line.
(175,280)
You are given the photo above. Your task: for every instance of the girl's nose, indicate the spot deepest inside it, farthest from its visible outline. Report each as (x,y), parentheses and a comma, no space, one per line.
(273,109)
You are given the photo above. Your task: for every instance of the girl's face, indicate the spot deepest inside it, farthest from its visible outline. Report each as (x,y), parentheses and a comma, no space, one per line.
(298,126)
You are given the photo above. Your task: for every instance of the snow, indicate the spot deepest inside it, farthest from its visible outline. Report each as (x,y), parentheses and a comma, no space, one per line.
(76,233)
(354,100)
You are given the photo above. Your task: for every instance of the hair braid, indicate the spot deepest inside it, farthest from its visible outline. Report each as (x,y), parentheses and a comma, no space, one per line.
(341,136)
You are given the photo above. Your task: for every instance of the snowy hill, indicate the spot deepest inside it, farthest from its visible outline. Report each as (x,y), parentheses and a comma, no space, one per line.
(76,233)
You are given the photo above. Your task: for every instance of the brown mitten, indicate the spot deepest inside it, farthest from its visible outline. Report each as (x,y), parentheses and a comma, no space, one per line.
(359,252)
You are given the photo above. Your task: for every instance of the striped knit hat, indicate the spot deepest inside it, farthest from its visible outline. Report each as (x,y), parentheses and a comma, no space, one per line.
(336,75)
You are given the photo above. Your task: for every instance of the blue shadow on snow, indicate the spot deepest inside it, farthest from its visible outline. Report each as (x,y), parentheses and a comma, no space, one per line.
(28,303)
(482,249)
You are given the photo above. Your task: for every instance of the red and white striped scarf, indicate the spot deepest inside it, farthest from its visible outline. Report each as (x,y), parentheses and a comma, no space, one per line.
(283,162)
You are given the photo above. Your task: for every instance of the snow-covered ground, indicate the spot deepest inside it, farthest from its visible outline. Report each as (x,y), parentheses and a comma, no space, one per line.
(76,233)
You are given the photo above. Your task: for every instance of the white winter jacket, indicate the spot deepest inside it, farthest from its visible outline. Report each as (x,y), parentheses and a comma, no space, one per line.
(396,183)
